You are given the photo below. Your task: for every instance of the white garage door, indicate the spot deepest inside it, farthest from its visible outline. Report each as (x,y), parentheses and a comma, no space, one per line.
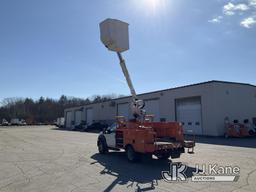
(89,116)
(123,110)
(68,119)
(189,114)
(152,108)
(78,117)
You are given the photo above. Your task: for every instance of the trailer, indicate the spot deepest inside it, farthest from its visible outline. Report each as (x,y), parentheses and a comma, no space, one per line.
(15,121)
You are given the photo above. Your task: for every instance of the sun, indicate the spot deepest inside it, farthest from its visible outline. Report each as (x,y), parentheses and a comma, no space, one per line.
(151,7)
(153,4)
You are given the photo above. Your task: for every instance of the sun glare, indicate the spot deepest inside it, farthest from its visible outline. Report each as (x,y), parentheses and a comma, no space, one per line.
(152,4)
(151,7)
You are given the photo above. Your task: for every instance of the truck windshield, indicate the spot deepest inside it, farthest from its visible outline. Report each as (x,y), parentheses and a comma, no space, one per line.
(112,128)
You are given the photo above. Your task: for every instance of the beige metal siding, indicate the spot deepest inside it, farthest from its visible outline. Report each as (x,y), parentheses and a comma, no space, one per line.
(234,101)
(218,100)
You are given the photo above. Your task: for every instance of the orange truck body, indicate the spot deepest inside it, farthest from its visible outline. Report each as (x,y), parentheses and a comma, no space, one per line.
(152,137)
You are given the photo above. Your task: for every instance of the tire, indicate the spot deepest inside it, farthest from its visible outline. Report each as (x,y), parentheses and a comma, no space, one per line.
(131,155)
(147,156)
(251,133)
(163,156)
(175,155)
(102,146)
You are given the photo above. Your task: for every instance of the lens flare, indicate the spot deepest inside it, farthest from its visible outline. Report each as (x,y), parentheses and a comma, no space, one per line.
(151,7)
(153,4)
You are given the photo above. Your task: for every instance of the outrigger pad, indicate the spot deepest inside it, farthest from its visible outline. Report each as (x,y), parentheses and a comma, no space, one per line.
(190,145)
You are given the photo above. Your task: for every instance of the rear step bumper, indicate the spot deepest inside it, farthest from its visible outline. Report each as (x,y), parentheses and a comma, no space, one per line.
(189,144)
(174,147)
(174,152)
(167,146)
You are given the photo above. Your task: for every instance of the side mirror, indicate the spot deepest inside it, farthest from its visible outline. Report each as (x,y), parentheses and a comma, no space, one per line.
(104,130)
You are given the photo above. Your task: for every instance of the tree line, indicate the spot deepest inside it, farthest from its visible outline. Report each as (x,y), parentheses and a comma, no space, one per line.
(44,110)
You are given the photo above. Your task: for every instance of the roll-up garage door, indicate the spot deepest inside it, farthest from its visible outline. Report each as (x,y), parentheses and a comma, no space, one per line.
(189,114)
(89,116)
(68,119)
(123,110)
(78,117)
(152,108)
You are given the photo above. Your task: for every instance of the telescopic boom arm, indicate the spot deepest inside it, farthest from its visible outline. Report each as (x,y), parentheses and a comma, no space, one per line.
(127,76)
(137,105)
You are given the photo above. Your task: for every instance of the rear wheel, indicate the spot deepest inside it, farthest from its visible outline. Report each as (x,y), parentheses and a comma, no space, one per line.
(131,155)
(175,155)
(163,156)
(102,146)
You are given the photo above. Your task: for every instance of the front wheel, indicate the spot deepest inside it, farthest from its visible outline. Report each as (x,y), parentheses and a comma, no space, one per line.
(102,146)
(131,155)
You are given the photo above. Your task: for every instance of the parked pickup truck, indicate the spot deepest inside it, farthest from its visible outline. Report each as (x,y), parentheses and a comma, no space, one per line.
(4,122)
(60,122)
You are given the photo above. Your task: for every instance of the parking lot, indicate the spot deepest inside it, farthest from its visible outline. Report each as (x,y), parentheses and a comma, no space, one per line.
(43,158)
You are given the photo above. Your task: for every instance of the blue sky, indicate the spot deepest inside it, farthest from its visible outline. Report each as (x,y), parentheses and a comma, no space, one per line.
(52,47)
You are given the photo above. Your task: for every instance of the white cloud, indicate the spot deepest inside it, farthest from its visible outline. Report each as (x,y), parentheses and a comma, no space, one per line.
(241,7)
(252,3)
(245,10)
(216,19)
(230,8)
(248,22)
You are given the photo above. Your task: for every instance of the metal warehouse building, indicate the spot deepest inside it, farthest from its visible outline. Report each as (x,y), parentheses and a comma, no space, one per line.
(199,107)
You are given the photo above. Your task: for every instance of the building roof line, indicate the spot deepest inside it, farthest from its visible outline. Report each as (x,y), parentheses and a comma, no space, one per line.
(174,88)
(190,85)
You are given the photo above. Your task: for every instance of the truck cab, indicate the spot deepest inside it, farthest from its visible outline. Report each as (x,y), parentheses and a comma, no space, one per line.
(109,136)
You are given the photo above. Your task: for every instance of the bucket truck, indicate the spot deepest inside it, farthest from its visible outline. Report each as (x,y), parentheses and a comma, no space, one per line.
(140,135)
